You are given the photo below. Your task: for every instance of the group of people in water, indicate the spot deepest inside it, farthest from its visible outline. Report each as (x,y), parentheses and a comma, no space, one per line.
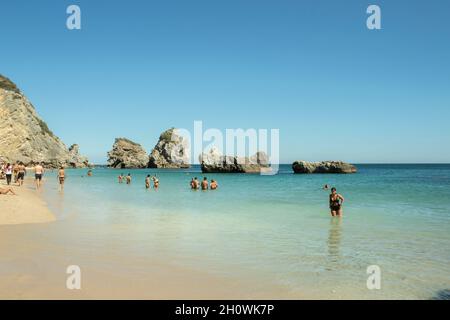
(148,180)
(153,181)
(204,185)
(16,173)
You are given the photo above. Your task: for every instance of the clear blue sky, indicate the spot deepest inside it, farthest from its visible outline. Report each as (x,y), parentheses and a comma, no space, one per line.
(335,89)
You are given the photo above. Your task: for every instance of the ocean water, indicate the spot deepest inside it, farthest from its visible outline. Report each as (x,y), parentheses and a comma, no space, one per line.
(276,230)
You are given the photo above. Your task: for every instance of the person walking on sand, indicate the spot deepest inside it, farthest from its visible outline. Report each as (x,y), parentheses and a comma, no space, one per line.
(38,173)
(8,173)
(5,191)
(205,184)
(128,179)
(336,202)
(213,184)
(16,171)
(61,178)
(147,182)
(21,171)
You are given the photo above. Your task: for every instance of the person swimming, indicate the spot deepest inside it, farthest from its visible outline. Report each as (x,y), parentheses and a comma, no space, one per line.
(89,173)
(213,184)
(326,187)
(147,182)
(205,184)
(336,202)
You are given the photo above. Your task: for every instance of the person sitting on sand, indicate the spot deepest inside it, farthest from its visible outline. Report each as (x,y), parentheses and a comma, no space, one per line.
(155,182)
(336,202)
(38,173)
(61,178)
(21,171)
(120,178)
(205,184)
(128,179)
(147,182)
(213,184)
(5,191)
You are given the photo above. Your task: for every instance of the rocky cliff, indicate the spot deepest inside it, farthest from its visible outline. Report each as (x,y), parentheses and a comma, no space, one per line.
(323,167)
(25,137)
(171,151)
(127,154)
(214,162)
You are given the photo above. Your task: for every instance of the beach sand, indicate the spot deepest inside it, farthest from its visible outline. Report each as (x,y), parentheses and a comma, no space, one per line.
(26,207)
(33,266)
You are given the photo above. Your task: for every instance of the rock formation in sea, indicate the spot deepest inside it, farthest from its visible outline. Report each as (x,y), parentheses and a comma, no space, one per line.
(75,159)
(214,162)
(25,137)
(127,154)
(323,167)
(171,151)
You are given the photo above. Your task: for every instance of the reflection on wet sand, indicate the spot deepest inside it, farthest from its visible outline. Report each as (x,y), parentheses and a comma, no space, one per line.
(334,241)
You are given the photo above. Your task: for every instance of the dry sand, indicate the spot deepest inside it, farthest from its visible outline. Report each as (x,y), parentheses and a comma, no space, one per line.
(25,207)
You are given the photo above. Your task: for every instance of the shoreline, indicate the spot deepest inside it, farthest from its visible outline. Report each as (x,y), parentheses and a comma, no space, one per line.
(26,207)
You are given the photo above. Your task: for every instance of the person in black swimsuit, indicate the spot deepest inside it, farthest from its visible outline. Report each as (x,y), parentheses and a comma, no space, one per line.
(336,202)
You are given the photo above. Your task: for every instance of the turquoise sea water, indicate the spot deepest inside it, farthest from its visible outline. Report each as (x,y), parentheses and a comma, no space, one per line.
(274,229)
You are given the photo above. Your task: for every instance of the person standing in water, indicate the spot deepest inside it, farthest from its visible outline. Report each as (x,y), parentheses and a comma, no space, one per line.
(196,184)
(336,202)
(128,179)
(120,178)
(147,182)
(155,183)
(205,184)
(213,184)
(61,178)
(38,173)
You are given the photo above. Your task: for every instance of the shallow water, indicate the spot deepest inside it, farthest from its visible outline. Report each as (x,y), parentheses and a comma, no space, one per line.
(274,230)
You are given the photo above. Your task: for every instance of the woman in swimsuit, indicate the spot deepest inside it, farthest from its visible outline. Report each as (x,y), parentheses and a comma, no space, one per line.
(155,183)
(61,178)
(147,182)
(336,202)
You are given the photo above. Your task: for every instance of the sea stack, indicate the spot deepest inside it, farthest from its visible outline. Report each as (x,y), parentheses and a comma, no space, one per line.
(171,151)
(127,154)
(25,137)
(323,167)
(214,162)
